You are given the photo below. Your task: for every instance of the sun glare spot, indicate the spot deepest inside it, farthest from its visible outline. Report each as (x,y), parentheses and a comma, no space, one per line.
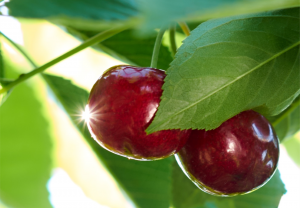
(86,115)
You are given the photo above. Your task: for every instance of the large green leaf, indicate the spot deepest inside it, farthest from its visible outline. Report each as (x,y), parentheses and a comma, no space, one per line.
(186,194)
(129,48)
(2,96)
(95,14)
(146,183)
(3,83)
(230,65)
(287,123)
(3,80)
(158,12)
(25,150)
(1,63)
(2,205)
(92,14)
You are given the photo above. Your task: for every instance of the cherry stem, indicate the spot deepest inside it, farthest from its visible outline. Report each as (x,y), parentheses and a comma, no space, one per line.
(172,39)
(185,28)
(157,47)
(93,40)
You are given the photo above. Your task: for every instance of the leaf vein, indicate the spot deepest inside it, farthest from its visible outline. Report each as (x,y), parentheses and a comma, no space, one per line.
(287,77)
(241,43)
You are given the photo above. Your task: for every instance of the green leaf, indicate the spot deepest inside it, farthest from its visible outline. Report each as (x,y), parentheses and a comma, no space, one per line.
(158,12)
(25,150)
(146,183)
(3,83)
(292,147)
(3,80)
(230,65)
(287,123)
(92,14)
(2,205)
(186,194)
(129,48)
(1,63)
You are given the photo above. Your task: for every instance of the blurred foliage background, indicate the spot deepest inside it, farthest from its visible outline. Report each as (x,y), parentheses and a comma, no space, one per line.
(43,113)
(37,137)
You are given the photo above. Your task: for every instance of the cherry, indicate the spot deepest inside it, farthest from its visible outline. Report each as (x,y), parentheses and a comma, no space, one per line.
(236,158)
(122,104)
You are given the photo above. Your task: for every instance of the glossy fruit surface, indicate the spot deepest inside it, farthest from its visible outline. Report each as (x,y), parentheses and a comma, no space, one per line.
(122,105)
(238,157)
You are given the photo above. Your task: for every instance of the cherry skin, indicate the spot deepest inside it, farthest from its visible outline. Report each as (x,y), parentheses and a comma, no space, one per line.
(236,158)
(122,104)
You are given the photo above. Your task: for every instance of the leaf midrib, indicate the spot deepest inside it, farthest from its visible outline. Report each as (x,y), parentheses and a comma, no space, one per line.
(224,86)
(233,20)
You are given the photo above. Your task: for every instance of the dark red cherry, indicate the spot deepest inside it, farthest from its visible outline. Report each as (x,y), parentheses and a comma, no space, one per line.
(121,106)
(238,157)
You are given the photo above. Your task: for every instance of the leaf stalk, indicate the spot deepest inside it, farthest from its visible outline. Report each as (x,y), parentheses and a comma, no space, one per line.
(96,39)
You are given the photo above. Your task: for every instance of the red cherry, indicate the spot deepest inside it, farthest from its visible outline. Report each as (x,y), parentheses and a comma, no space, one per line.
(238,157)
(122,104)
